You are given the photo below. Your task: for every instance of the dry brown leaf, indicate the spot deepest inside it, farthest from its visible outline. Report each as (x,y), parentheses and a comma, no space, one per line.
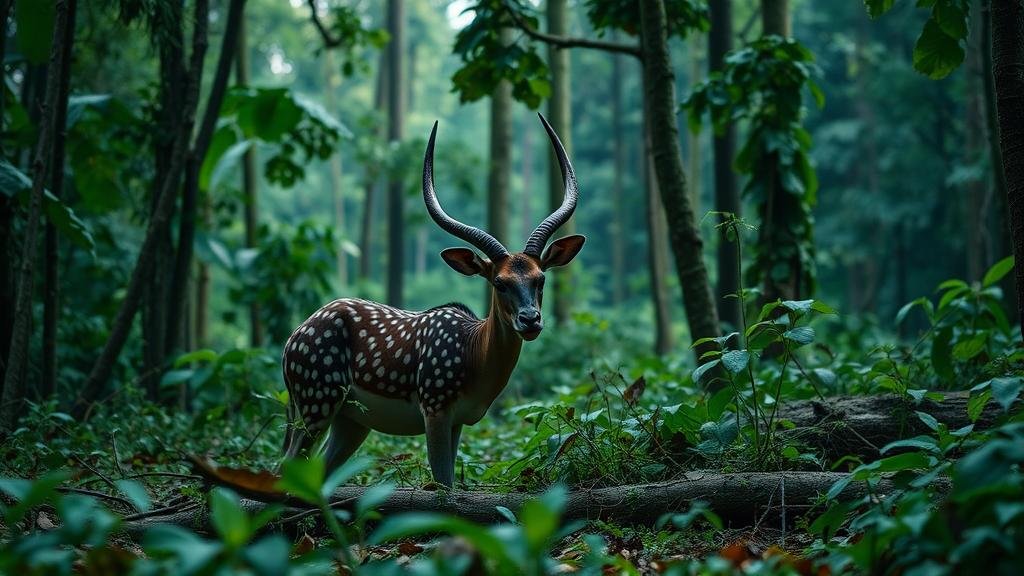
(409,548)
(738,552)
(634,391)
(305,545)
(254,484)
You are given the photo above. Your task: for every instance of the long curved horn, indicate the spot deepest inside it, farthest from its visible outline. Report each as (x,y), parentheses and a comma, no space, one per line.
(540,236)
(475,236)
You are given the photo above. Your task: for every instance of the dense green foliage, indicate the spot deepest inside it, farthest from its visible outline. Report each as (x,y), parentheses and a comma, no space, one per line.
(888,192)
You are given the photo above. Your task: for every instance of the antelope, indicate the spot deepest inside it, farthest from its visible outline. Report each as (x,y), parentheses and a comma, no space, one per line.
(355,366)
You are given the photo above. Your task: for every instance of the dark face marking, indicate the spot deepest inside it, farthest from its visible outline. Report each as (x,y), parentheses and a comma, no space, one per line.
(519,283)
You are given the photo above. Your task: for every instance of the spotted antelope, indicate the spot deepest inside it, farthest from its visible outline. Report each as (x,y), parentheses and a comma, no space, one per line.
(355,366)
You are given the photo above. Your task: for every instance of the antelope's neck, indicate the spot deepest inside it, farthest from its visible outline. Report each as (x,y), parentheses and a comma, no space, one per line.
(494,351)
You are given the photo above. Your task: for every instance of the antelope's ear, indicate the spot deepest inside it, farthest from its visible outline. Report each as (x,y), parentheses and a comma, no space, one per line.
(562,251)
(465,261)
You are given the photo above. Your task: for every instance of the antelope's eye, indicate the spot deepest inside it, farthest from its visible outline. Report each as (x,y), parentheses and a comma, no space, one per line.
(540,283)
(500,287)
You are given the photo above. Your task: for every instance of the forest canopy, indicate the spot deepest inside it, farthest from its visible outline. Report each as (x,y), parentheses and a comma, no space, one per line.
(273,277)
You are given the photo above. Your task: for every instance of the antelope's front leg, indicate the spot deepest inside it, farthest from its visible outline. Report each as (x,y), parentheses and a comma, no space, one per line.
(440,448)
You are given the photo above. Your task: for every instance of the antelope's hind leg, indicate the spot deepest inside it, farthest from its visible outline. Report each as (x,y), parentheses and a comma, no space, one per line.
(345,438)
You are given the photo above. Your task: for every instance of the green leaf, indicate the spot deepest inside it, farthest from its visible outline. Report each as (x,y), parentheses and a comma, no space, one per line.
(343,473)
(13,183)
(936,54)
(34,20)
(703,369)
(918,442)
(942,354)
(976,404)
(997,271)
(135,492)
(1006,390)
(230,521)
(373,497)
(507,514)
(204,355)
(303,478)
(420,523)
(269,555)
(970,347)
(878,7)
(928,420)
(231,157)
(735,361)
(802,335)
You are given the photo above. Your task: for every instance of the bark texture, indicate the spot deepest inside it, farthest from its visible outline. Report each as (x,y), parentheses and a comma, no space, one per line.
(13,393)
(396,125)
(727,196)
(1008,76)
(560,117)
(51,297)
(862,425)
(687,246)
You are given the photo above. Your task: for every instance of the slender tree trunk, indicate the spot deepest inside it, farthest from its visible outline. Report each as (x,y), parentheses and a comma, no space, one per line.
(500,167)
(727,196)
(976,253)
(657,252)
(560,116)
(778,206)
(1007,67)
(13,395)
(1003,242)
(616,223)
(659,89)
(396,128)
(157,227)
(181,279)
(366,253)
(171,52)
(526,222)
(51,297)
(250,186)
(335,172)
(695,159)
(7,295)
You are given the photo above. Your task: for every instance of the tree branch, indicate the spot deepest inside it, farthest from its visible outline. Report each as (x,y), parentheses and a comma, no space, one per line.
(569,41)
(329,41)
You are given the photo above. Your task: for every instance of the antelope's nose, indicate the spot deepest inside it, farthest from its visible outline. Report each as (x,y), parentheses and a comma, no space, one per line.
(529,317)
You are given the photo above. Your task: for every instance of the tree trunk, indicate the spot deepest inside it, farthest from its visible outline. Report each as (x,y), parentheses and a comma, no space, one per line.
(526,223)
(50,137)
(51,296)
(693,151)
(616,223)
(657,254)
(171,53)
(335,171)
(175,322)
(396,125)
(500,166)
(7,272)
(250,186)
(862,425)
(660,106)
(976,245)
(370,180)
(157,227)
(560,117)
(727,196)
(739,499)
(1007,66)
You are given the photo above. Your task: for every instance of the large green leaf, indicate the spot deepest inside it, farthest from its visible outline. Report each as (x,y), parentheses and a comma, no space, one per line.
(936,53)
(14,183)
(997,271)
(34,20)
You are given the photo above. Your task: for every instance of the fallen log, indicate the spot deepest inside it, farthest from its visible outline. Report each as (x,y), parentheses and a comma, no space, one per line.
(739,499)
(863,425)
